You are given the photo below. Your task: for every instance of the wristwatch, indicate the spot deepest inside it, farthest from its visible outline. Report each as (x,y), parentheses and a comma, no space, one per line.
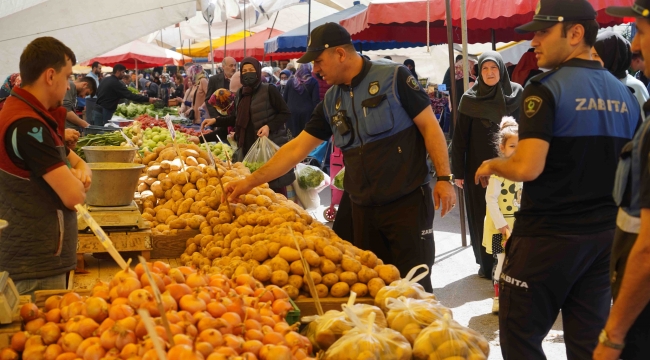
(449,178)
(604,339)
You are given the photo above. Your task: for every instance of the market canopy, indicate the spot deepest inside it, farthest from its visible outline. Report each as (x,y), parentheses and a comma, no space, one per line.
(406,20)
(254,48)
(202,49)
(140,55)
(296,39)
(103,27)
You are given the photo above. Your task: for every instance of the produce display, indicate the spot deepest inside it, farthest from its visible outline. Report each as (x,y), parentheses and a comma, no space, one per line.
(210,316)
(261,239)
(410,316)
(133,90)
(133,110)
(107,139)
(219,150)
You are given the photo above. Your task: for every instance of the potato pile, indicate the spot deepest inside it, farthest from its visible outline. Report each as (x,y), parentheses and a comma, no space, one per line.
(259,238)
(261,243)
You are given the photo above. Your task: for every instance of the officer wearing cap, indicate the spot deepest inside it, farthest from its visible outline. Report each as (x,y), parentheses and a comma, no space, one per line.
(575,120)
(626,334)
(383,121)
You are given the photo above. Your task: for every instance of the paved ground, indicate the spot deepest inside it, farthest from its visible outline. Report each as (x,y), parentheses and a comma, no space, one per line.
(457,286)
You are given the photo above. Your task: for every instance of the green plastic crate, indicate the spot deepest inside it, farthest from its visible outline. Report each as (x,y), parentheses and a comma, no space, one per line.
(293,316)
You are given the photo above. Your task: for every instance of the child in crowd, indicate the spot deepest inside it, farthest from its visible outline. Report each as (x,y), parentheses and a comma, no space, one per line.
(502,200)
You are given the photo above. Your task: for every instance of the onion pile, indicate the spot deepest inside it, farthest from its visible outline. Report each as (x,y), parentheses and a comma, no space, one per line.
(211,317)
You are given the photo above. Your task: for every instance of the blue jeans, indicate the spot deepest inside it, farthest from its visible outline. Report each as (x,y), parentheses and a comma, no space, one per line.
(101,116)
(28,286)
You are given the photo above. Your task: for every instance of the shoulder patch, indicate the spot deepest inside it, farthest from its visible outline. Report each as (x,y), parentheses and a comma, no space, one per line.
(532,104)
(412,83)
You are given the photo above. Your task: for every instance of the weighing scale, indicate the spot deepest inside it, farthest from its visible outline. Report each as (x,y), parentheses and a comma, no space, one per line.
(127,218)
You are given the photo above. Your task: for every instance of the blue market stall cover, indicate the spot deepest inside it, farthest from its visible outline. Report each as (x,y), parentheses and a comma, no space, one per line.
(296,39)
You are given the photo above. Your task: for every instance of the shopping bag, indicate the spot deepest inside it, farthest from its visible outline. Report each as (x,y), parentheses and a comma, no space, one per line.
(311,177)
(262,151)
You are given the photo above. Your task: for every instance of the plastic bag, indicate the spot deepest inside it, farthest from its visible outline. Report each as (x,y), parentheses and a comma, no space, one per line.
(262,150)
(407,287)
(309,198)
(446,338)
(324,330)
(338,179)
(410,316)
(369,342)
(311,177)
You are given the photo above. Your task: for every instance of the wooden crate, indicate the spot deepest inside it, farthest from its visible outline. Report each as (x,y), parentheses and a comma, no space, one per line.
(140,241)
(8,330)
(308,306)
(171,246)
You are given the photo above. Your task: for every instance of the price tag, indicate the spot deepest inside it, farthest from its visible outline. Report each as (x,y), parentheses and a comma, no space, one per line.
(209,152)
(170,126)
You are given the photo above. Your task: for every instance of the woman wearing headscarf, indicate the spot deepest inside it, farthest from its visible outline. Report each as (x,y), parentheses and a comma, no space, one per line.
(10,82)
(481,109)
(195,95)
(302,96)
(614,53)
(258,111)
(410,64)
(284,80)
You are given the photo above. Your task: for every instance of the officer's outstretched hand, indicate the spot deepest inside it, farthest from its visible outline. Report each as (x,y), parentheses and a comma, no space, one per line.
(444,197)
(235,188)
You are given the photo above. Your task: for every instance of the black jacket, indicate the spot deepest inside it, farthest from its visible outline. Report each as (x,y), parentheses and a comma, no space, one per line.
(111,90)
(215,83)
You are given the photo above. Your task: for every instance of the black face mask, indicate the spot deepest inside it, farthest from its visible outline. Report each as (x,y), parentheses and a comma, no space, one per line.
(249,79)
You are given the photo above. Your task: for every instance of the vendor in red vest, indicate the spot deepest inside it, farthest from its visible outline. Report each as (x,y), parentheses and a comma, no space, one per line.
(41,180)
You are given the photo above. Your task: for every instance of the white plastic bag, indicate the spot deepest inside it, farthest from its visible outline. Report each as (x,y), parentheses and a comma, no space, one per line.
(407,287)
(410,316)
(305,175)
(447,339)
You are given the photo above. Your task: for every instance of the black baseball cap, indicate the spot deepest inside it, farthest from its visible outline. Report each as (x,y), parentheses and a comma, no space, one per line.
(324,37)
(551,12)
(640,8)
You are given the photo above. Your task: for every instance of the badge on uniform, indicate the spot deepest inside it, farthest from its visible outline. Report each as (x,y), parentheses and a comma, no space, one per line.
(373,88)
(338,104)
(412,83)
(532,104)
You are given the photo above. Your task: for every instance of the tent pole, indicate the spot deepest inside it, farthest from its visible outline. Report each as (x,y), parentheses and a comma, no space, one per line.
(271,32)
(308,22)
(181,39)
(161,39)
(244,28)
(136,74)
(428,10)
(494,40)
(225,43)
(450,44)
(210,36)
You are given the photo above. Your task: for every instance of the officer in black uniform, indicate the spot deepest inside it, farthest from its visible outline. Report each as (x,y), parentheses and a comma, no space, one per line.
(627,332)
(382,120)
(575,120)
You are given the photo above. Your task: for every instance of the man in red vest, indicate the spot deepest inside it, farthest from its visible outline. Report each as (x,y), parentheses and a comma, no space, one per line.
(41,180)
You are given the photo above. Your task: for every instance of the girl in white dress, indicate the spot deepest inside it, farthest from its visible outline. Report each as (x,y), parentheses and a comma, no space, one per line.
(502,200)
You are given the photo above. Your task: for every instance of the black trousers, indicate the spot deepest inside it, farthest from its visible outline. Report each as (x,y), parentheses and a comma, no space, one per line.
(399,233)
(545,274)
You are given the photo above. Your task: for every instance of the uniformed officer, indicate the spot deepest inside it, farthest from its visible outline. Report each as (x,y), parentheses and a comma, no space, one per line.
(575,120)
(627,332)
(383,121)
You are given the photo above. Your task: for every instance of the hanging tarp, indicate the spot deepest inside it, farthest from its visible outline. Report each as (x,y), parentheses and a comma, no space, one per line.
(406,20)
(97,26)
(296,39)
(254,48)
(141,55)
(202,49)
